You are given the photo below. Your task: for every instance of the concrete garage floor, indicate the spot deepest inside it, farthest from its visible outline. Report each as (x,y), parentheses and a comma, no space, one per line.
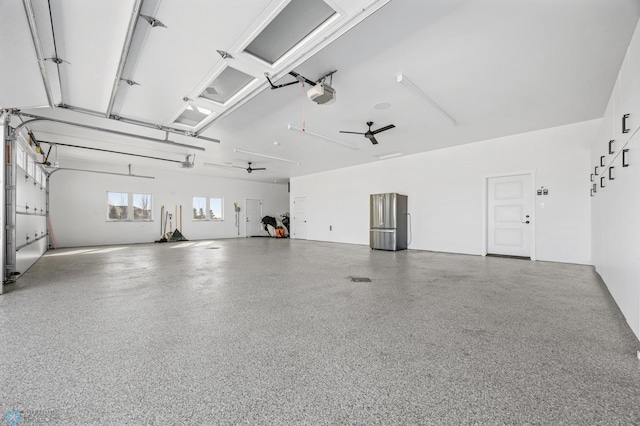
(267,331)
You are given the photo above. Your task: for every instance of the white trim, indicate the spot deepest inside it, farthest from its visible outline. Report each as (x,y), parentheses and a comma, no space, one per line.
(485,207)
(246,211)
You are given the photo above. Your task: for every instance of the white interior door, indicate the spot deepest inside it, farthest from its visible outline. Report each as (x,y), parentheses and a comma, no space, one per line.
(300,218)
(510,207)
(253,225)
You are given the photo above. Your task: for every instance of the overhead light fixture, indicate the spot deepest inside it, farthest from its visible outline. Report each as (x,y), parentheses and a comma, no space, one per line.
(389,155)
(318,135)
(410,85)
(266,156)
(101,172)
(225,166)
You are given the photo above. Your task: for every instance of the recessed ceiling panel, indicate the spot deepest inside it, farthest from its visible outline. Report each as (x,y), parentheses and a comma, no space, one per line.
(171,63)
(228,83)
(296,21)
(193,115)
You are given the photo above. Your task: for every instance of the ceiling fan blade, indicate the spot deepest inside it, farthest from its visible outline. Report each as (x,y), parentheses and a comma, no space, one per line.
(390,126)
(355,133)
(258,168)
(373,140)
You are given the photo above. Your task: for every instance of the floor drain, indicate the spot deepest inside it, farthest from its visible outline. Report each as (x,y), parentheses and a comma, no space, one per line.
(360,280)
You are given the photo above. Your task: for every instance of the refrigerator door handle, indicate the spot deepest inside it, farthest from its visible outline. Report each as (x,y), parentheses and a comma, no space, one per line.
(383,230)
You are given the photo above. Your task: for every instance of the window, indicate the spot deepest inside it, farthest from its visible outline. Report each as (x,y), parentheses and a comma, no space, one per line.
(31,166)
(141,207)
(193,115)
(118,206)
(207,208)
(226,85)
(215,208)
(292,25)
(20,157)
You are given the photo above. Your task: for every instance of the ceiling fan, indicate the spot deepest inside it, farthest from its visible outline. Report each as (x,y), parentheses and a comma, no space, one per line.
(369,134)
(229,166)
(250,169)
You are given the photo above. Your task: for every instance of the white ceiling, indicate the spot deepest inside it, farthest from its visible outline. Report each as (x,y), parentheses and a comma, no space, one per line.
(498,67)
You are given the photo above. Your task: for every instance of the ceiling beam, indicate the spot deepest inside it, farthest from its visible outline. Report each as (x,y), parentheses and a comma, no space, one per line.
(125,52)
(28,9)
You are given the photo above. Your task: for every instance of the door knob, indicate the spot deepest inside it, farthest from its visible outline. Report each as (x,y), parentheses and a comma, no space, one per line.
(526,221)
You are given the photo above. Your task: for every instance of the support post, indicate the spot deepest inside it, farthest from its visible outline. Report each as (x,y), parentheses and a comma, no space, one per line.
(10,200)
(4,133)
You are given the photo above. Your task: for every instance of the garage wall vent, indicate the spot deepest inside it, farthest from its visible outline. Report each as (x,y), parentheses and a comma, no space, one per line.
(291,26)
(226,85)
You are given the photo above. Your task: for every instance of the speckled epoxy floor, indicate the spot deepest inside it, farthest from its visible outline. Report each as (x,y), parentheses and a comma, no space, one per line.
(266,331)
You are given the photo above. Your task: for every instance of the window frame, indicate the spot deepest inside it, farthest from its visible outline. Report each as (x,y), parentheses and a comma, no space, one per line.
(21,157)
(130,216)
(207,209)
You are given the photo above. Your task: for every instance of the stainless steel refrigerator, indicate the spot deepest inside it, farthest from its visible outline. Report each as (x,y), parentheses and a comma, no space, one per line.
(388,218)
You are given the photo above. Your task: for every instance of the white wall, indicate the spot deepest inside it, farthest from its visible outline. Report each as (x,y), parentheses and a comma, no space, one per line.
(78,204)
(616,207)
(446,193)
